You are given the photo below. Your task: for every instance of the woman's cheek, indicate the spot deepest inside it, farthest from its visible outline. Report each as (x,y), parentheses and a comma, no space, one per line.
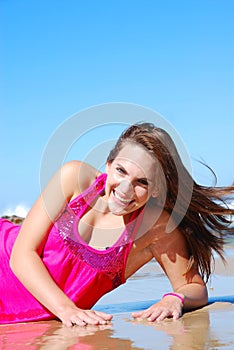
(141,193)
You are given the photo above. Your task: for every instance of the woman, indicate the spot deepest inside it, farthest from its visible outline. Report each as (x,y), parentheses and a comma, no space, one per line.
(89,232)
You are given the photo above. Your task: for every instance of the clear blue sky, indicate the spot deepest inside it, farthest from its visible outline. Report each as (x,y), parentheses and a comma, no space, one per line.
(62,56)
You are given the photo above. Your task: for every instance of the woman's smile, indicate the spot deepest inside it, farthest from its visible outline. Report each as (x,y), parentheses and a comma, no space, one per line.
(131,179)
(120,198)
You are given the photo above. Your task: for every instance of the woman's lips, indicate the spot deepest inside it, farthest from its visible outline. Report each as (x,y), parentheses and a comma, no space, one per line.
(123,201)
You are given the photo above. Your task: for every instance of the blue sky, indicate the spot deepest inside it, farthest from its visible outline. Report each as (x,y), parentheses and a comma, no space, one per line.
(61,57)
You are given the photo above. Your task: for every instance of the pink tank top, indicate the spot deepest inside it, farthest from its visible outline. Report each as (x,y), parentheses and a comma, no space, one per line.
(82,272)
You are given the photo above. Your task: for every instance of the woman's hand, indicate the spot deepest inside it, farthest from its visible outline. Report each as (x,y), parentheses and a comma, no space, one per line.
(169,306)
(71,316)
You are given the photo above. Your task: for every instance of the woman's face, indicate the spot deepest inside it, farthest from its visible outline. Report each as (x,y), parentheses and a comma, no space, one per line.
(131,179)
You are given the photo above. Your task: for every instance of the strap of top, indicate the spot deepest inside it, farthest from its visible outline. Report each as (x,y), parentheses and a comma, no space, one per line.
(81,202)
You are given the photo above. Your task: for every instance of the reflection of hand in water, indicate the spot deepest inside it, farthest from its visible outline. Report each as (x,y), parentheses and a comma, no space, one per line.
(83,338)
(52,335)
(192,328)
(61,337)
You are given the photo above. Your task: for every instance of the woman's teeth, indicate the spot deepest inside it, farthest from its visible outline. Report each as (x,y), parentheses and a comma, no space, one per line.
(119,198)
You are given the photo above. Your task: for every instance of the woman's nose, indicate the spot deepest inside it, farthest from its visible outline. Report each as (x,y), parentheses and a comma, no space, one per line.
(126,187)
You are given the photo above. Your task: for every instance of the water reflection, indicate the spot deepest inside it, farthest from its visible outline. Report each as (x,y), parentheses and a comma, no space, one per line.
(207,328)
(194,330)
(53,335)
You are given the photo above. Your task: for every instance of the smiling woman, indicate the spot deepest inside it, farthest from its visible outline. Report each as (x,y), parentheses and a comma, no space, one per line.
(89,232)
(131,179)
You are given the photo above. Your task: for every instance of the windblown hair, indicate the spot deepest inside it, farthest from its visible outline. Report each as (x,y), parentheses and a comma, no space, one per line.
(201,213)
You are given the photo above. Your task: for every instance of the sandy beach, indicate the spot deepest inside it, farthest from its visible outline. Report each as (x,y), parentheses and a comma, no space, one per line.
(207,328)
(210,327)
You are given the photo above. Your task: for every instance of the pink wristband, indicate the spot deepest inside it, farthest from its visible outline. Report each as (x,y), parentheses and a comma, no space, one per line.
(175,295)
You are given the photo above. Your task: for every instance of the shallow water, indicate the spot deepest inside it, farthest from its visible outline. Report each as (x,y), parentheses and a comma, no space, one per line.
(208,328)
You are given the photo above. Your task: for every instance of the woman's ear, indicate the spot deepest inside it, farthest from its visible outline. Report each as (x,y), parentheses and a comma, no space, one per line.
(155,193)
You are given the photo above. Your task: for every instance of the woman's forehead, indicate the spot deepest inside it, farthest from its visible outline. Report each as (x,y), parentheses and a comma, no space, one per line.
(136,154)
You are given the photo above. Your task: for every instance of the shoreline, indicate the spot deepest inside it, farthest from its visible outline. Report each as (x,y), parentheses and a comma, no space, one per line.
(209,327)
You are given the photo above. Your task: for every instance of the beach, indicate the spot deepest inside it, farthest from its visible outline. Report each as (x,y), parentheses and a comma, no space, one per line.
(207,328)
(210,327)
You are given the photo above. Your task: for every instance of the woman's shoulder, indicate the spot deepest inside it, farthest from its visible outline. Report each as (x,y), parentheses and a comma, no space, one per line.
(157,222)
(81,174)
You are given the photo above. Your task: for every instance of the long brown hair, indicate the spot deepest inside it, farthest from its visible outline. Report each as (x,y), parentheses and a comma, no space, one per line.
(201,213)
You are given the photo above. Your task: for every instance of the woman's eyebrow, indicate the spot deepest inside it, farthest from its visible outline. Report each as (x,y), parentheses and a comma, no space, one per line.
(138,179)
(121,166)
(145,179)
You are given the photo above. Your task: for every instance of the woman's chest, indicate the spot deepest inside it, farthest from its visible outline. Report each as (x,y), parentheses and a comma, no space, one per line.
(100,230)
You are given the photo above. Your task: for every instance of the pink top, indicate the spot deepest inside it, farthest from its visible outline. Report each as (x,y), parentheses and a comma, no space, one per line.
(82,272)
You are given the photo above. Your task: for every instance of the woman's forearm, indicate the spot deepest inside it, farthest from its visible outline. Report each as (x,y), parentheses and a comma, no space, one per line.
(32,273)
(194,294)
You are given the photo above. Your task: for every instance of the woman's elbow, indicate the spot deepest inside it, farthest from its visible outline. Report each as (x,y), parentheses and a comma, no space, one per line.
(13,262)
(17,261)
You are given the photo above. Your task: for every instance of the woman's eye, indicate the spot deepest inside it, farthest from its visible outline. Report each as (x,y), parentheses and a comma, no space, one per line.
(120,170)
(143,182)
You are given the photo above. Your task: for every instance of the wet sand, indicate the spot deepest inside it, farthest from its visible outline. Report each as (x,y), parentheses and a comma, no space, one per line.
(207,328)
(210,327)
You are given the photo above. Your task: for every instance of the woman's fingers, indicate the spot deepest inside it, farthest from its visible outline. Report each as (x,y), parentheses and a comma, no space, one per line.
(85,317)
(143,314)
(158,316)
(160,311)
(176,314)
(105,316)
(152,315)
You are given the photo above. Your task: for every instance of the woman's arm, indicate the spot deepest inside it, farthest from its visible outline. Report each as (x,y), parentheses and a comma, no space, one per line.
(170,250)
(25,259)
